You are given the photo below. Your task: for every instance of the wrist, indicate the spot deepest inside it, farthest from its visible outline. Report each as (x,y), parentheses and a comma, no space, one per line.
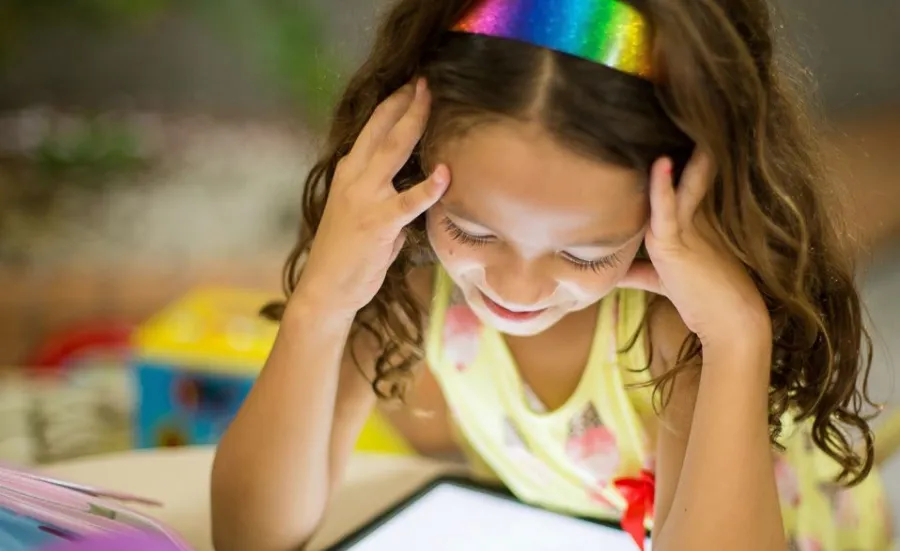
(318,297)
(308,311)
(749,334)
(744,351)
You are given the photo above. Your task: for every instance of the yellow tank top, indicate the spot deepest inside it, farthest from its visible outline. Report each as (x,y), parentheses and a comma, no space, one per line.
(568,459)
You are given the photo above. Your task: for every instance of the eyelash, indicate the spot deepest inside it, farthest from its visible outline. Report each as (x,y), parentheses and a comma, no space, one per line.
(465,238)
(594,265)
(457,234)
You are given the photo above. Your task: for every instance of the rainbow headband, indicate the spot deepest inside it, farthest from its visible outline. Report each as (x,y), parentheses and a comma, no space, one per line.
(608,32)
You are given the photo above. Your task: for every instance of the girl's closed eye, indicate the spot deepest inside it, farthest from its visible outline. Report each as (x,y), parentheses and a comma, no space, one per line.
(596,265)
(463,236)
(477,240)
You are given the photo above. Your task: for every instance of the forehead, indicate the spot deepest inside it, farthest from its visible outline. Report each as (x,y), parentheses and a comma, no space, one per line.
(510,172)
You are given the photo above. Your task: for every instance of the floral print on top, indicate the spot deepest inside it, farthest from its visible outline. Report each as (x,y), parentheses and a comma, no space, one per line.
(592,447)
(787,482)
(461,335)
(569,459)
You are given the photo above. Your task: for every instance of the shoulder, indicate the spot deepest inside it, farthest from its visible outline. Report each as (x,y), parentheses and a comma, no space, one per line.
(421,283)
(667,333)
(366,344)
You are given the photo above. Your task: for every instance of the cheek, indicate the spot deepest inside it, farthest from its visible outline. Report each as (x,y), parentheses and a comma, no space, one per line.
(588,286)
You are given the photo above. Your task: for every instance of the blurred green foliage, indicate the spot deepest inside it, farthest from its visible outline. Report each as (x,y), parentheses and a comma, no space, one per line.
(288,38)
(95,146)
(19,14)
(285,37)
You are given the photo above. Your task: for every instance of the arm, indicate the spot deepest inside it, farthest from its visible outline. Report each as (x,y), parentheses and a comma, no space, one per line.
(423,420)
(276,464)
(715,477)
(288,445)
(286,450)
(716,481)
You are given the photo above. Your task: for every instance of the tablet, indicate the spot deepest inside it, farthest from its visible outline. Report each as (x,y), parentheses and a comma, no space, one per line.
(452,514)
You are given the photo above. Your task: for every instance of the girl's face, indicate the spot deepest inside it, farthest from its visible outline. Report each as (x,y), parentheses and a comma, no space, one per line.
(531,231)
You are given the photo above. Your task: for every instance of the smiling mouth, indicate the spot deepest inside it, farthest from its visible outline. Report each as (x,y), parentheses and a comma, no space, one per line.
(507,314)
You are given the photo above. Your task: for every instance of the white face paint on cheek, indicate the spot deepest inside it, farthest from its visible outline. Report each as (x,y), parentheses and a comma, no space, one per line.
(576,296)
(586,288)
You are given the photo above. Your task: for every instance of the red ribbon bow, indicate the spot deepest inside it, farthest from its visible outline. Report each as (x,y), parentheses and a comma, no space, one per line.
(638,493)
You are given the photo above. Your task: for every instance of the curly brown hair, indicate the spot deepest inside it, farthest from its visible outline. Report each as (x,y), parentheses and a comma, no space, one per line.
(720,88)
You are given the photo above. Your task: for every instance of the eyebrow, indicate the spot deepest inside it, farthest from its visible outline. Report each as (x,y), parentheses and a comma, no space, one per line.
(458,211)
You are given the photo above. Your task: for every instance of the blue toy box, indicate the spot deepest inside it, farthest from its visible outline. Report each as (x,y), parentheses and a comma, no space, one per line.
(194,364)
(196,361)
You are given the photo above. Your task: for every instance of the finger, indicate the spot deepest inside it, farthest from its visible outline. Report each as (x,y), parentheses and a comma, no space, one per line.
(407,206)
(398,144)
(694,185)
(663,206)
(383,119)
(642,276)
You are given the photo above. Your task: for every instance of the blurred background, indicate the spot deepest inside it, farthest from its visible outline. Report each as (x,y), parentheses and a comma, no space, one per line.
(155,149)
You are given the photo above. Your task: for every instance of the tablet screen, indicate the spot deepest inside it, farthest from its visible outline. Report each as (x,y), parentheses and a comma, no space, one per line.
(452,517)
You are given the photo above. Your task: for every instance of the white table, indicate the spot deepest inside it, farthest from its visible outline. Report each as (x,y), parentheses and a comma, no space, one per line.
(179,478)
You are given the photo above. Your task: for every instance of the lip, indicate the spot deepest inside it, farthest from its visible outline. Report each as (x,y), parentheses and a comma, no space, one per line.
(510,315)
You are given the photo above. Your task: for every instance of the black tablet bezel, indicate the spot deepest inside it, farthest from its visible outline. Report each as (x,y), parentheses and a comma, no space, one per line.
(462,481)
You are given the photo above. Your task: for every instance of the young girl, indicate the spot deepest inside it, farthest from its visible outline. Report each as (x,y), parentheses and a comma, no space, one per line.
(618,276)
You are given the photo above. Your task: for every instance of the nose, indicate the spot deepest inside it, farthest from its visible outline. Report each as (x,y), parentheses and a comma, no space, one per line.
(518,283)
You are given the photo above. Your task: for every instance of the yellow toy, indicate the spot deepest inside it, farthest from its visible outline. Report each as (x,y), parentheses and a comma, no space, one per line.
(379,436)
(196,361)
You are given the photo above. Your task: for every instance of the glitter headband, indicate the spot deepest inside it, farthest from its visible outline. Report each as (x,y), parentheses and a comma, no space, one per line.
(608,32)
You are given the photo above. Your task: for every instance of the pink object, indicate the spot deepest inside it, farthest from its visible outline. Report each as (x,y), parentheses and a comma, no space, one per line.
(125,541)
(461,335)
(787,482)
(808,544)
(36,510)
(593,447)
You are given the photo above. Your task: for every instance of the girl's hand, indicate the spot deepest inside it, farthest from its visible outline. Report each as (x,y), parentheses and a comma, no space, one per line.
(361,232)
(691,266)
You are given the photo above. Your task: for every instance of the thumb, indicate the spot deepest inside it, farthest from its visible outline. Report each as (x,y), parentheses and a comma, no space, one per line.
(642,276)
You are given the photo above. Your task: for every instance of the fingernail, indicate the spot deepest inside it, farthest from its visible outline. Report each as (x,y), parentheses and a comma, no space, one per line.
(420,85)
(668,167)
